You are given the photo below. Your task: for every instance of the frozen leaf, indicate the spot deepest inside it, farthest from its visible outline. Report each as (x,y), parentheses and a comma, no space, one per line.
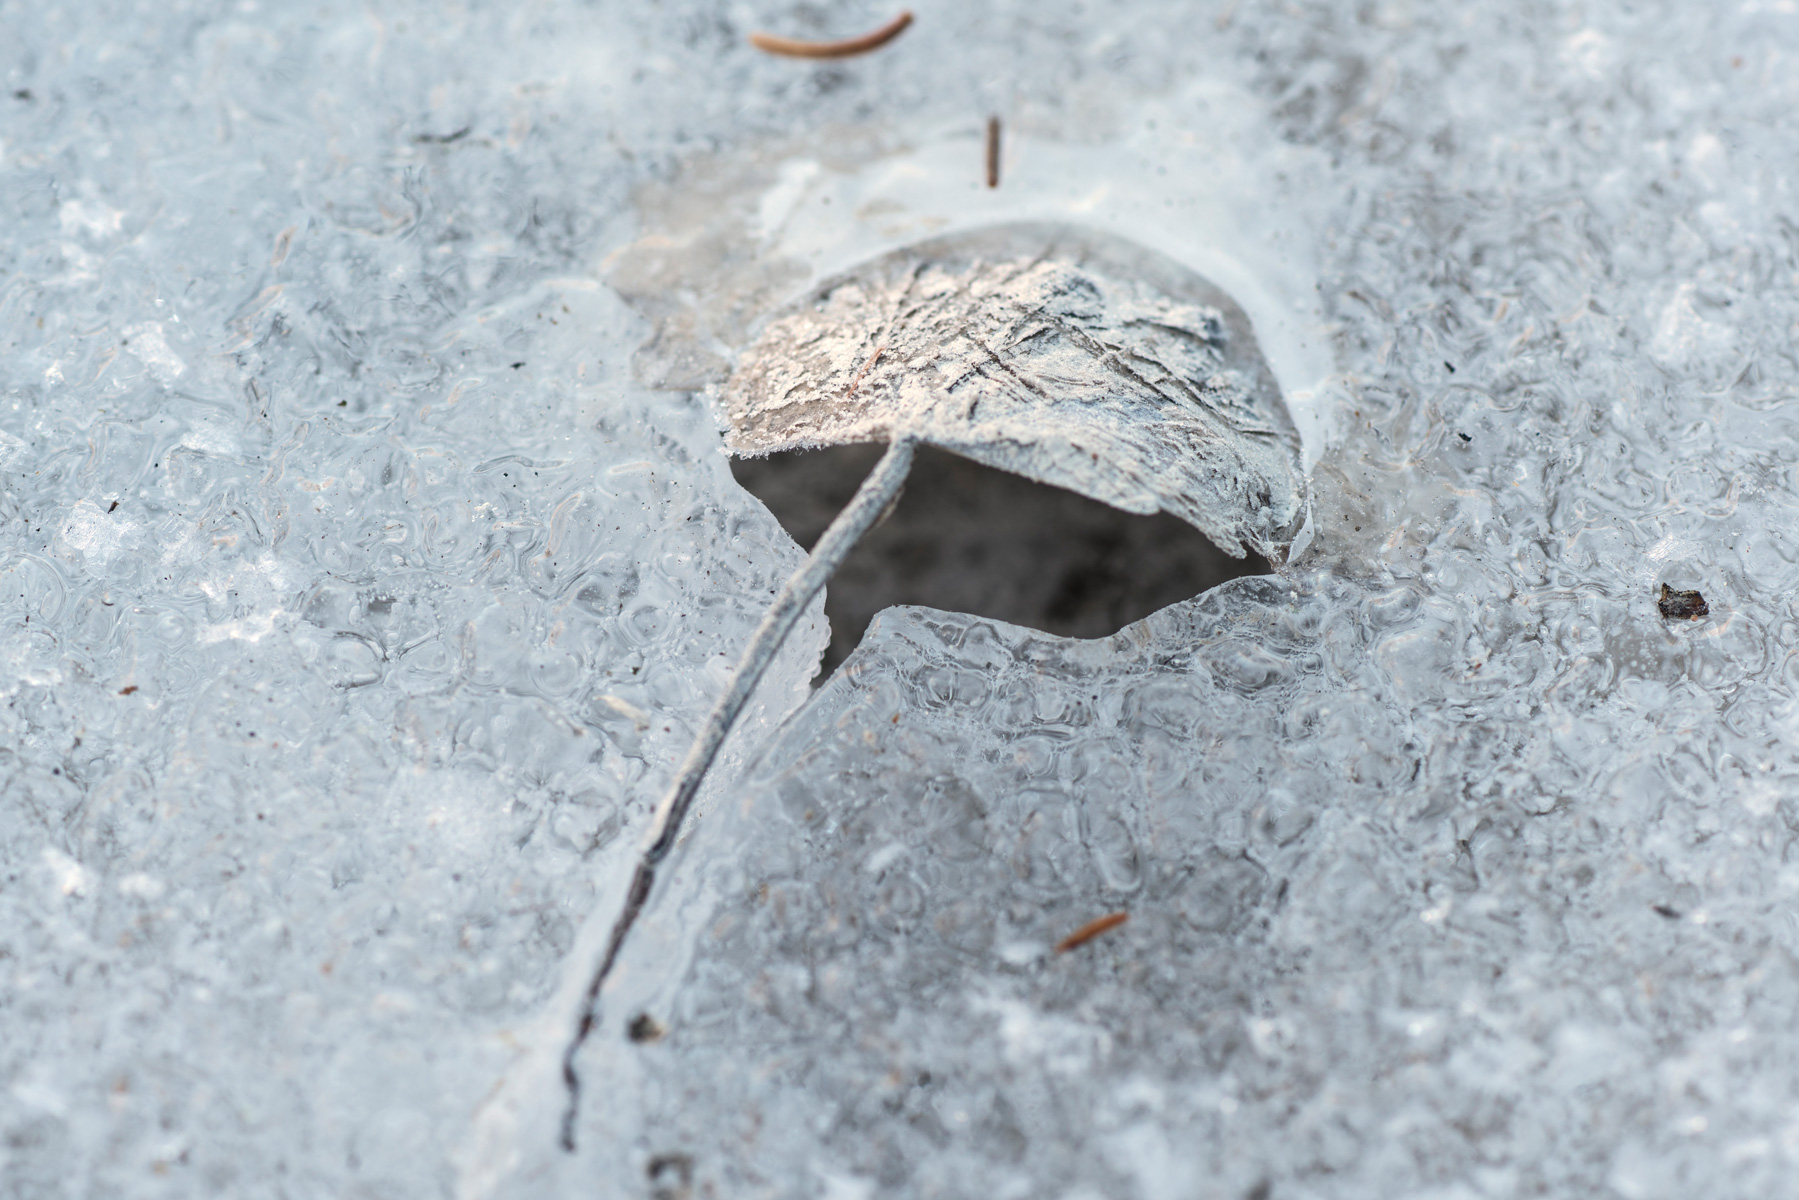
(1071,357)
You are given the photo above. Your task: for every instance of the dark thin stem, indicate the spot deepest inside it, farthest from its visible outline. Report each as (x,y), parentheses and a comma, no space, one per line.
(876,495)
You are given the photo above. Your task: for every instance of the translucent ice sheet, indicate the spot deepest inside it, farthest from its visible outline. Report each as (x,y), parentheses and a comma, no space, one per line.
(368,557)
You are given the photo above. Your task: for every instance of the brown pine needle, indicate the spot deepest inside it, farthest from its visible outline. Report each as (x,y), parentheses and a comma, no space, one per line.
(1091,930)
(793,48)
(992,152)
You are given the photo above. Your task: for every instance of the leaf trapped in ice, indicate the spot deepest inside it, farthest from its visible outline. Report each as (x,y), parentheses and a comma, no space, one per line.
(1069,357)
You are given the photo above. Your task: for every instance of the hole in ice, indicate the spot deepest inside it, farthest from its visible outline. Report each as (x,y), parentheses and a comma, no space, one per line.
(970,538)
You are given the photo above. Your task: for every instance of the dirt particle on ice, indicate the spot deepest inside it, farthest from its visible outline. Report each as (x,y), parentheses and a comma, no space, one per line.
(1682,605)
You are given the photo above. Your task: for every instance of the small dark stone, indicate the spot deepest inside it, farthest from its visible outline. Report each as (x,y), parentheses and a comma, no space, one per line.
(644,1028)
(1676,605)
(1464,437)
(1662,910)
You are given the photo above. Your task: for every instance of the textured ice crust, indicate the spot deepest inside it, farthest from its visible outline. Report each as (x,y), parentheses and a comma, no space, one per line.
(355,601)
(351,612)
(1070,357)
(1340,927)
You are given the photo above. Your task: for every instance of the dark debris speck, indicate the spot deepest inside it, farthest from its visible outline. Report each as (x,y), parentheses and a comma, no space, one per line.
(1678,605)
(671,1176)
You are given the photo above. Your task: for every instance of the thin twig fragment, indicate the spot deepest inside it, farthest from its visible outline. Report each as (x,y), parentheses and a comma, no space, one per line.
(992,152)
(1091,930)
(794,48)
(857,381)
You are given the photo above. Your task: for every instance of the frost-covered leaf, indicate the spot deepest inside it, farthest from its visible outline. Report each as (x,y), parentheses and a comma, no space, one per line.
(1071,357)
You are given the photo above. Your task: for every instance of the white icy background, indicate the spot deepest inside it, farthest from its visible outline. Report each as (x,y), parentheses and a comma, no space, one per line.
(415,635)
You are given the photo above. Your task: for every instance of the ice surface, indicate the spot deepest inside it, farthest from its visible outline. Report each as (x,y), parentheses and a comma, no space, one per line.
(342,657)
